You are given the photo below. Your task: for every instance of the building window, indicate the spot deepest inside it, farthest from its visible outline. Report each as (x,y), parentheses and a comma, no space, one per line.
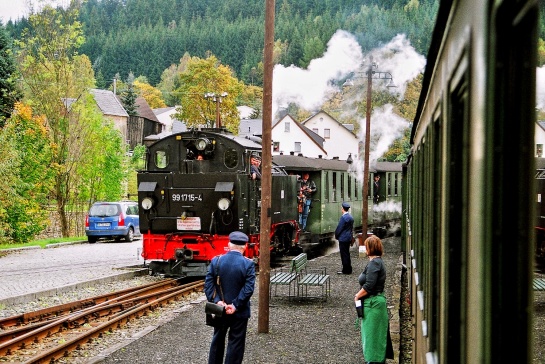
(315,130)
(297,147)
(539,150)
(287,127)
(326,133)
(276,146)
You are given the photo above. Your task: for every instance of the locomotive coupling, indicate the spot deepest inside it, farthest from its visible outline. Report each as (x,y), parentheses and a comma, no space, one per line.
(184,254)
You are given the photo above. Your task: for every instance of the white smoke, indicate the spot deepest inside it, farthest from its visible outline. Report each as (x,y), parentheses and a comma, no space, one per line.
(401,60)
(309,87)
(540,88)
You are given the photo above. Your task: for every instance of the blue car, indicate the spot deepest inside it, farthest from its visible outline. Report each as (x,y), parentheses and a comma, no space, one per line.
(112,220)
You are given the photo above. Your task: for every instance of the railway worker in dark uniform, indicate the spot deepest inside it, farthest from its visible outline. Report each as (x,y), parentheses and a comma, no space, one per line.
(255,163)
(376,189)
(308,188)
(374,325)
(343,233)
(237,279)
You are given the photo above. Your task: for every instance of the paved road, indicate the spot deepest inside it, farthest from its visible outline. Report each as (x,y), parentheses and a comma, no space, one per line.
(24,273)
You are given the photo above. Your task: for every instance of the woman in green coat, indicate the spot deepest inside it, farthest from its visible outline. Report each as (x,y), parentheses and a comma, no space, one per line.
(375,336)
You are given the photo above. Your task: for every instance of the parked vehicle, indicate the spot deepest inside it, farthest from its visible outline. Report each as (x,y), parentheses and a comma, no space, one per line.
(112,220)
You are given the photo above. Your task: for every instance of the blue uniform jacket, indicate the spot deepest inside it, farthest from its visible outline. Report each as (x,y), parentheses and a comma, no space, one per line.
(343,232)
(237,278)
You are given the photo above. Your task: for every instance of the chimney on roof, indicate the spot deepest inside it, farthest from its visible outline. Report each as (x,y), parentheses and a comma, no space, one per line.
(281,153)
(319,156)
(300,154)
(336,158)
(292,153)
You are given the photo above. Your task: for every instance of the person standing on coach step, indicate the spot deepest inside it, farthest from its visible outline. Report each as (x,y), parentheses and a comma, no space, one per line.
(376,189)
(375,332)
(343,233)
(308,188)
(237,280)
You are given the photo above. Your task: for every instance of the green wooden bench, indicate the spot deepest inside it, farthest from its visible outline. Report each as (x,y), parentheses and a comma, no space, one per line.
(539,284)
(289,277)
(314,278)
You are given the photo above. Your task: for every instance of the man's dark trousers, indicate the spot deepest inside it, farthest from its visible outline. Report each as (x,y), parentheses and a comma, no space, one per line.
(344,248)
(237,339)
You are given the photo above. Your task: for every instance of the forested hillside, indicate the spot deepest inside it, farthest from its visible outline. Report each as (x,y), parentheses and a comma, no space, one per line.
(146,37)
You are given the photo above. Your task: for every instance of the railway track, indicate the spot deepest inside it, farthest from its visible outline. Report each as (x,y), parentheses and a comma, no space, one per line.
(47,335)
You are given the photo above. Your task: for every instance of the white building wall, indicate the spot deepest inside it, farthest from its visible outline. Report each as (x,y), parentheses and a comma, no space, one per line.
(166,119)
(340,143)
(288,136)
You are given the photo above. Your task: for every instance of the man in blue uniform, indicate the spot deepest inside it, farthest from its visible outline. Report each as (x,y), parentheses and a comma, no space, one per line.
(237,279)
(343,233)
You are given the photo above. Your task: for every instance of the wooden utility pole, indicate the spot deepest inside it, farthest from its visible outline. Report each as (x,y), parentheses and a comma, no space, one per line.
(365,206)
(266,177)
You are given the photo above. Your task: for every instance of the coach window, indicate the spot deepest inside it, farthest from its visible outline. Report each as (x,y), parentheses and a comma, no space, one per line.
(325,192)
(334,187)
(539,150)
(349,187)
(161,159)
(231,158)
(342,186)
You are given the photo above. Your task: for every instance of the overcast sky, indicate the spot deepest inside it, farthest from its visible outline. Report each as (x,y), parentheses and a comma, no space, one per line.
(14,9)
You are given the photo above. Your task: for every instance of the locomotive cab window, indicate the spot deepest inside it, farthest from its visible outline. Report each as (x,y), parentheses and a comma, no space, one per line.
(161,159)
(231,158)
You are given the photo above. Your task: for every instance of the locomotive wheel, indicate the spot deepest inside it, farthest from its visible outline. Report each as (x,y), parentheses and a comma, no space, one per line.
(130,235)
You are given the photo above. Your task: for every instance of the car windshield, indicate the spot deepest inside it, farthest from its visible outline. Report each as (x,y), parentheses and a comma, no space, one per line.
(103,210)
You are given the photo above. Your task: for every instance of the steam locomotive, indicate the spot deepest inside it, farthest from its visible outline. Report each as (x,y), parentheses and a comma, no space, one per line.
(196,189)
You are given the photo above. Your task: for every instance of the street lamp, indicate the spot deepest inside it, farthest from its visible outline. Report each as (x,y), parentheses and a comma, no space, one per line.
(217,98)
(371,74)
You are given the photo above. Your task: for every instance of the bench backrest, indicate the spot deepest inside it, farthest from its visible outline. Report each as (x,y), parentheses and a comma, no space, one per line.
(299,263)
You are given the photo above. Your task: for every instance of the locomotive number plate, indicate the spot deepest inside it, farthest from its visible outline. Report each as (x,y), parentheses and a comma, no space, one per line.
(189,223)
(187,197)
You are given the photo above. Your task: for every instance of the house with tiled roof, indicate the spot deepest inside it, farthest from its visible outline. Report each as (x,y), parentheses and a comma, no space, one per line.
(111,108)
(339,139)
(291,137)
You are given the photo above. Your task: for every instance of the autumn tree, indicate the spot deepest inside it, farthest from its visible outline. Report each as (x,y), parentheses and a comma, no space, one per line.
(26,175)
(152,95)
(204,76)
(56,84)
(170,79)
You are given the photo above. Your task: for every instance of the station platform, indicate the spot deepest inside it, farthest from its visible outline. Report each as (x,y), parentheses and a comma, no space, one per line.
(299,331)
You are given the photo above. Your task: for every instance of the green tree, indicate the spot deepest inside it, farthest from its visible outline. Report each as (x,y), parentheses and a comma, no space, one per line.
(9,92)
(128,98)
(205,76)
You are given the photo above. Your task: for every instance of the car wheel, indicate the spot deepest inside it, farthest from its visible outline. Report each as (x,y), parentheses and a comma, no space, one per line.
(91,239)
(130,235)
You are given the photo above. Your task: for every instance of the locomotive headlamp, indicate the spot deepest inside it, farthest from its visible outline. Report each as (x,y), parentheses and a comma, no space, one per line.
(147,203)
(224,203)
(202,143)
